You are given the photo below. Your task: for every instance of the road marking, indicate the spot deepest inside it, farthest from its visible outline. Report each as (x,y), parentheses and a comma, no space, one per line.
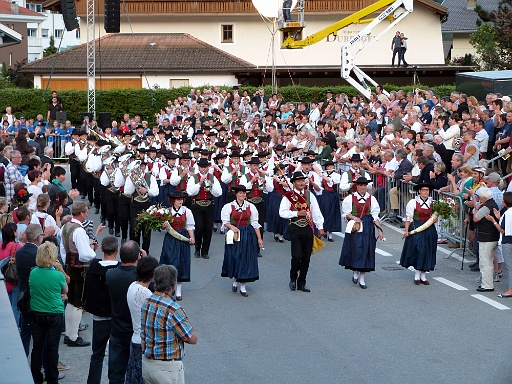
(445,251)
(377,250)
(450,284)
(494,303)
(454,255)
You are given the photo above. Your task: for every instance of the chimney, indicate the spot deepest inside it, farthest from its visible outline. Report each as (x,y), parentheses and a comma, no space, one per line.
(471,4)
(14,8)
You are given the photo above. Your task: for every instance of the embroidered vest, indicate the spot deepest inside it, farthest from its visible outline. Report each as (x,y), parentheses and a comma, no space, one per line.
(351,176)
(240,219)
(69,245)
(179,222)
(204,193)
(182,186)
(422,214)
(361,209)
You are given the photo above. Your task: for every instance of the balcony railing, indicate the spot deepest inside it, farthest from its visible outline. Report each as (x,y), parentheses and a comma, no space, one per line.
(34,41)
(144,7)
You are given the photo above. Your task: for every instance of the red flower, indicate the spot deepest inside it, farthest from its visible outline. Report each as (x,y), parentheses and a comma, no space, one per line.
(22,193)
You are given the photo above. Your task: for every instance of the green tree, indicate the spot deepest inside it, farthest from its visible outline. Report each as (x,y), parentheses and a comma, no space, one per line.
(492,40)
(51,48)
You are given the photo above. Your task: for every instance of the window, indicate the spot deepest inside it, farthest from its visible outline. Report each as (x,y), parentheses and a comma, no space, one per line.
(177,83)
(35,7)
(44,33)
(32,32)
(59,33)
(227,33)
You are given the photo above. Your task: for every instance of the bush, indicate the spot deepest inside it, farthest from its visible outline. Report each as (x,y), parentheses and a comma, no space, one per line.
(145,102)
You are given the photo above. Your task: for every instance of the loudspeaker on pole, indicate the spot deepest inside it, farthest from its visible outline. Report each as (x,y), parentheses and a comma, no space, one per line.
(104,119)
(112,16)
(68,10)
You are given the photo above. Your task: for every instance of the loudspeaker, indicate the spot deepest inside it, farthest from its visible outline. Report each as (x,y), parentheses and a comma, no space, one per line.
(112,16)
(62,117)
(83,114)
(104,120)
(68,10)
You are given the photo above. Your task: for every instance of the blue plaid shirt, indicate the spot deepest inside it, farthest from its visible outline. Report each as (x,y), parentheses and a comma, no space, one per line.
(12,175)
(164,327)
(497,196)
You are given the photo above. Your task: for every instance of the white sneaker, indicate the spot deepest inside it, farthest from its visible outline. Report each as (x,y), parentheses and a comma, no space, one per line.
(495,277)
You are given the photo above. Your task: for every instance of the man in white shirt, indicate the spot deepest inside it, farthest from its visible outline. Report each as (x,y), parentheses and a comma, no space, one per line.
(301,207)
(76,250)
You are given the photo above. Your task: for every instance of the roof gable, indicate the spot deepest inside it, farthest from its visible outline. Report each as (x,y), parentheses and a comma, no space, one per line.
(155,52)
(462,19)
(6,9)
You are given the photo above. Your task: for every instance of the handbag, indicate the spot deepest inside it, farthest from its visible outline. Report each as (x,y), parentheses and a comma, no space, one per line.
(24,303)
(9,269)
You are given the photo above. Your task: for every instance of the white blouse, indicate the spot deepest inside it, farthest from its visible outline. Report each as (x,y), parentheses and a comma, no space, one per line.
(225,213)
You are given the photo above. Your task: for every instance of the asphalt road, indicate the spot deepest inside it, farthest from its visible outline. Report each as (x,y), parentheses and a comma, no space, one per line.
(392,332)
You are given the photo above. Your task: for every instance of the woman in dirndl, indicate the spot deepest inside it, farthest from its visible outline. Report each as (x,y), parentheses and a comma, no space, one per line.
(329,200)
(420,249)
(243,244)
(358,252)
(276,223)
(219,201)
(176,252)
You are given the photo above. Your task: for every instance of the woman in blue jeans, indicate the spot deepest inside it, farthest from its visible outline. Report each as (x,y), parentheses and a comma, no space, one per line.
(47,285)
(504,226)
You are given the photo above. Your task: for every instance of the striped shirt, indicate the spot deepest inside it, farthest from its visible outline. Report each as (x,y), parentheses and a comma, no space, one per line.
(164,327)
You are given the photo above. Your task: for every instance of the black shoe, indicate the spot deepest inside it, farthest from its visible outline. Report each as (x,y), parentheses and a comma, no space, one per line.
(480,289)
(293,285)
(111,231)
(475,269)
(281,240)
(473,265)
(96,211)
(244,294)
(355,280)
(259,254)
(363,286)
(196,254)
(79,342)
(402,224)
(205,256)
(66,339)
(234,288)
(303,288)
(178,298)
(117,233)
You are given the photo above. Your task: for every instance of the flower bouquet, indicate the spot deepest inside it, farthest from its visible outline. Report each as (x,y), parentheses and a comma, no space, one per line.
(153,218)
(444,208)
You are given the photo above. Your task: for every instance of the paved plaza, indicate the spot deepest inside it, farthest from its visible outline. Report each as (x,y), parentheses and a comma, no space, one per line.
(393,332)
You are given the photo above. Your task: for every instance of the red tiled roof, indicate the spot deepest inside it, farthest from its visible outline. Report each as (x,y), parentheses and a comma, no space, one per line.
(156,52)
(5,8)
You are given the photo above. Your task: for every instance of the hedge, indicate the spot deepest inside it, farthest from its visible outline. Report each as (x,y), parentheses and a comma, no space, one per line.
(145,102)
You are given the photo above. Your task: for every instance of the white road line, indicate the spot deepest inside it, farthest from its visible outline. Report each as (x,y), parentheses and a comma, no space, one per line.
(454,255)
(377,250)
(494,303)
(450,284)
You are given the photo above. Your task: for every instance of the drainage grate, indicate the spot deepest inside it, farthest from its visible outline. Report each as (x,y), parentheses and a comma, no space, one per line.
(391,267)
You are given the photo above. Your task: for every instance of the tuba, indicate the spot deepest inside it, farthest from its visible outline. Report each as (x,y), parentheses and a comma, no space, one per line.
(138,180)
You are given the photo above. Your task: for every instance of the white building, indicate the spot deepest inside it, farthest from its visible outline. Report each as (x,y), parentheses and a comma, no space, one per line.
(38,35)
